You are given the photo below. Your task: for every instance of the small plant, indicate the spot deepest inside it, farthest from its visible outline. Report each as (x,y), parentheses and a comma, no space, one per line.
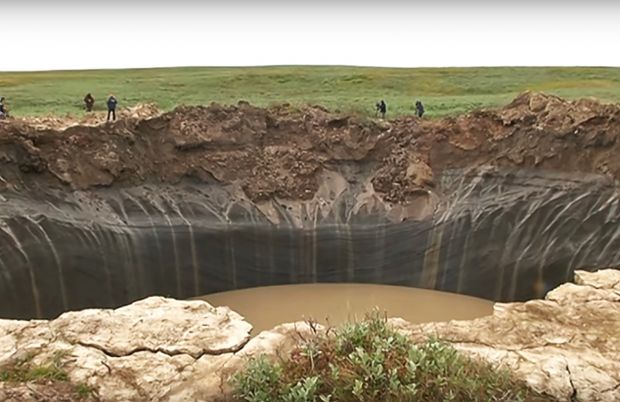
(369,361)
(25,371)
(84,390)
(50,374)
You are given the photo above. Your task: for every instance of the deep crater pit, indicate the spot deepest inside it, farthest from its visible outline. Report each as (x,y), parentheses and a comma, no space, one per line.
(500,205)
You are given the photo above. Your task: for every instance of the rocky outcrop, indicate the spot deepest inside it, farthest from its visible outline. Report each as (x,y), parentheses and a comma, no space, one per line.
(134,353)
(567,345)
(158,349)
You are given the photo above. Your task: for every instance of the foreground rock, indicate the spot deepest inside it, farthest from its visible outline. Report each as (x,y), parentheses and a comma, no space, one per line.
(159,349)
(137,352)
(567,345)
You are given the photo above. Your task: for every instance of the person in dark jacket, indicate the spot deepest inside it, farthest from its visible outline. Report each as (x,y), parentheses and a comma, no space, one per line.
(112,102)
(382,108)
(419,108)
(89,101)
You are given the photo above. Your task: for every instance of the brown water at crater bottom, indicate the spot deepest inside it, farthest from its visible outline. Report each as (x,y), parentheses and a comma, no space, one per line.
(266,307)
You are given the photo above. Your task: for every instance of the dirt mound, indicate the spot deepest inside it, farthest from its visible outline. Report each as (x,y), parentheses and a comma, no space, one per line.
(536,130)
(140,111)
(281,151)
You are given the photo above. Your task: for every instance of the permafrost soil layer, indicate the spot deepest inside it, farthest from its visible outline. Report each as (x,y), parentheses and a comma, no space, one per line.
(501,204)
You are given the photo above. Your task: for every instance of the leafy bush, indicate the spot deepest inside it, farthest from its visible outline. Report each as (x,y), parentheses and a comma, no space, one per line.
(369,361)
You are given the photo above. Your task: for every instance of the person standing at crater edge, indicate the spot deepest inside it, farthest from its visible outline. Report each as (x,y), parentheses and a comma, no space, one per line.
(3,113)
(382,108)
(89,101)
(112,102)
(419,108)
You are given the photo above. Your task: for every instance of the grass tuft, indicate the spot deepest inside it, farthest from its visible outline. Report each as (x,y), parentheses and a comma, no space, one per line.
(84,390)
(51,375)
(25,371)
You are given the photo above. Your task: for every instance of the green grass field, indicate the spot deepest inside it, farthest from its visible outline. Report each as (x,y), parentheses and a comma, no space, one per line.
(444,91)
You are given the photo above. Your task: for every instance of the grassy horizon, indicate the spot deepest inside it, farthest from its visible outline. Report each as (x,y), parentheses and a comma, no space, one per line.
(444,91)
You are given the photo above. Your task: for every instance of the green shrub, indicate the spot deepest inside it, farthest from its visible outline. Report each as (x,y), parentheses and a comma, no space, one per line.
(369,361)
